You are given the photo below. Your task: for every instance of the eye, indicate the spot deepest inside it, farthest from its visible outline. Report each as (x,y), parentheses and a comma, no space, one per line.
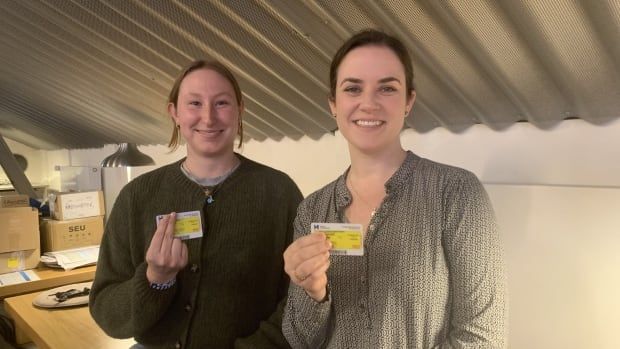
(222,103)
(387,89)
(352,89)
(195,103)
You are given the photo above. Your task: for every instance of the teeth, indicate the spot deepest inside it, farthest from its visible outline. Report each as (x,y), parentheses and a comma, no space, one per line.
(368,122)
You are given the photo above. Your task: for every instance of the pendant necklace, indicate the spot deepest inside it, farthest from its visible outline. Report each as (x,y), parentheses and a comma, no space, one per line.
(374,209)
(209,185)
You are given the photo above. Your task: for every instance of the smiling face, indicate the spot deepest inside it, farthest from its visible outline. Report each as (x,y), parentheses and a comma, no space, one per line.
(371,98)
(207,113)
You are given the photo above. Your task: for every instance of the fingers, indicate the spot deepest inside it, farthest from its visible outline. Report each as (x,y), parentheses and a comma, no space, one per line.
(306,261)
(309,240)
(178,254)
(315,284)
(166,254)
(168,235)
(306,248)
(159,233)
(312,266)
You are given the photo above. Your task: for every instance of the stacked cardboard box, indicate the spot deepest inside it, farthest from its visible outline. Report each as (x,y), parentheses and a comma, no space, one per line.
(19,238)
(14,200)
(77,221)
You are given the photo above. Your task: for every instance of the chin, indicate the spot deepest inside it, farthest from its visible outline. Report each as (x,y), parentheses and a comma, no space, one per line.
(211,150)
(366,147)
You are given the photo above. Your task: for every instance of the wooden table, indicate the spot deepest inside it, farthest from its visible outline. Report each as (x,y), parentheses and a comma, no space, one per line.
(68,328)
(49,278)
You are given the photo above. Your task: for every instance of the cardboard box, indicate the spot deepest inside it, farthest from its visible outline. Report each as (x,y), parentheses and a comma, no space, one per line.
(14,200)
(74,233)
(19,239)
(65,206)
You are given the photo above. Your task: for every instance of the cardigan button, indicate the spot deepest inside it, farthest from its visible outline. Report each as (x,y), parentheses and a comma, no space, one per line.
(194,268)
(188,307)
(177,345)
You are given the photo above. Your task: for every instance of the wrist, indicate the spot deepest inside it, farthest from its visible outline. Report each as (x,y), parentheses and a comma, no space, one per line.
(319,296)
(157,278)
(163,286)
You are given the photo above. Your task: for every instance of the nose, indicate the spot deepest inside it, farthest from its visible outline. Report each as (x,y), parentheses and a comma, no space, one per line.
(208,115)
(369,102)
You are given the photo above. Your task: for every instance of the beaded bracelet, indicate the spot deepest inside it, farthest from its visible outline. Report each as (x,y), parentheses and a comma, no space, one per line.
(166,285)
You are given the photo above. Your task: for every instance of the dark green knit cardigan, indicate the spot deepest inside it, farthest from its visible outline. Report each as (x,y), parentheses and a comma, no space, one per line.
(232,291)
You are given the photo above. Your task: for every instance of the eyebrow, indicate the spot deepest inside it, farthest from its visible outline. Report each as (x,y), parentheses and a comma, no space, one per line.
(223,93)
(359,81)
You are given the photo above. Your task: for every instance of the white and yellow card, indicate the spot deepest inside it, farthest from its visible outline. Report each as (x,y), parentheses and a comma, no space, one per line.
(187,226)
(347,239)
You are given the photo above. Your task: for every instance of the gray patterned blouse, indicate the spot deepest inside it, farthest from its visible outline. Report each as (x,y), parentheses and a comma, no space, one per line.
(432,273)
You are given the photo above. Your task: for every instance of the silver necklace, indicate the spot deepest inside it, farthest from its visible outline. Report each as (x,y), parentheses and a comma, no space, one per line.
(366,203)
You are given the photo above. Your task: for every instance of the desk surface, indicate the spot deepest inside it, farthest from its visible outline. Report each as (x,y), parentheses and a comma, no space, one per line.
(67,328)
(49,278)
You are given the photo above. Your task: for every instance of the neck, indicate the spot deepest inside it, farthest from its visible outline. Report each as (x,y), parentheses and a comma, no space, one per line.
(376,166)
(210,167)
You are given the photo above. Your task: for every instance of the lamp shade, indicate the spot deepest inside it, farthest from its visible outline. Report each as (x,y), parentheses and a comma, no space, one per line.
(127,155)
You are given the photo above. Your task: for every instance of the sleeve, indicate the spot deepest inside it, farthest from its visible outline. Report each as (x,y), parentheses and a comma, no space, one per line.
(121,301)
(306,322)
(477,272)
(269,333)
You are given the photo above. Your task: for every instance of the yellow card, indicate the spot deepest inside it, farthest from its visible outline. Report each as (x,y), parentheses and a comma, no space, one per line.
(187,226)
(347,239)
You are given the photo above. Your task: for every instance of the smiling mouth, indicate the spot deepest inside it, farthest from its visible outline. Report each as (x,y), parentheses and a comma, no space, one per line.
(211,133)
(208,131)
(369,123)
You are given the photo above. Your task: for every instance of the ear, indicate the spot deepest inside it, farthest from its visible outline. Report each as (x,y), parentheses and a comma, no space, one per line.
(332,105)
(172,111)
(241,108)
(410,101)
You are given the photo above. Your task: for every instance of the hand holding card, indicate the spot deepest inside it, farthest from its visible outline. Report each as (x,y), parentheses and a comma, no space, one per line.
(187,225)
(166,254)
(306,261)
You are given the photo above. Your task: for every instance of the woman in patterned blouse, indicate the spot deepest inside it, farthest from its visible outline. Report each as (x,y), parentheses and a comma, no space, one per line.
(431,275)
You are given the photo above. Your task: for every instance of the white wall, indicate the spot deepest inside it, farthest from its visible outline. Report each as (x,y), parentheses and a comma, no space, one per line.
(563,264)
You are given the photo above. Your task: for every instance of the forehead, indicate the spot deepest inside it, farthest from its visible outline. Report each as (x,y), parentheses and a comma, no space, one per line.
(371,61)
(205,81)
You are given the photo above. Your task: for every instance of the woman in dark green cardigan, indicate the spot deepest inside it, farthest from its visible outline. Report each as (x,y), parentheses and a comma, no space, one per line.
(222,290)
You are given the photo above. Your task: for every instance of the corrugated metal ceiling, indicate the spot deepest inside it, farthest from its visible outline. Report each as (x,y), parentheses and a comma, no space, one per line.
(83,73)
